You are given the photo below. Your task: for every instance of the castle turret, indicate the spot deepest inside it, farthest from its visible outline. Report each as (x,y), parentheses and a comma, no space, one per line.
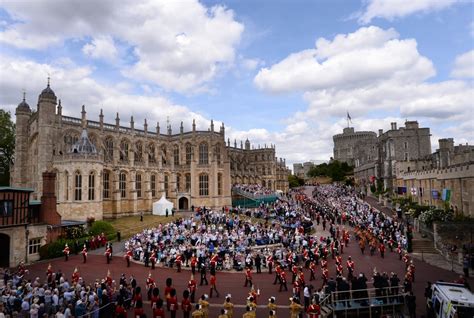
(46,138)
(247,144)
(19,173)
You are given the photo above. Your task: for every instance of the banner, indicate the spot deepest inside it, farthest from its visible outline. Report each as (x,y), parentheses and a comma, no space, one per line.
(435,194)
(402,190)
(446,195)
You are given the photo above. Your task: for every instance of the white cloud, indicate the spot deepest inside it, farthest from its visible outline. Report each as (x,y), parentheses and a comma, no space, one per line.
(369,55)
(179,45)
(464,65)
(391,9)
(102,47)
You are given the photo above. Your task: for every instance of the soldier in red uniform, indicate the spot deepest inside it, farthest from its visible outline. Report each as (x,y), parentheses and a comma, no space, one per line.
(153,259)
(339,269)
(350,268)
(399,251)
(213,286)
(294,272)
(283,280)
(297,288)
(248,277)
(128,257)
(382,249)
(314,310)
(193,265)
(277,274)
(75,276)
(312,269)
(192,287)
(179,261)
(213,261)
(22,269)
(150,284)
(186,304)
(325,275)
(66,252)
(108,279)
(84,253)
(49,274)
(411,269)
(108,253)
(270,263)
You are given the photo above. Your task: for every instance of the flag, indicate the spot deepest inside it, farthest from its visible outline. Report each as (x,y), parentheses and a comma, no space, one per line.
(349,117)
(446,195)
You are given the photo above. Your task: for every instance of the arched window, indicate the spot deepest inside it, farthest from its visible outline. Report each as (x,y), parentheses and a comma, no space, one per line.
(176,155)
(153,185)
(91,189)
(203,184)
(66,186)
(138,185)
(178,182)
(219,184)
(217,151)
(151,153)
(123,185)
(189,153)
(124,151)
(77,186)
(163,155)
(138,152)
(166,184)
(109,149)
(203,154)
(188,182)
(269,184)
(106,184)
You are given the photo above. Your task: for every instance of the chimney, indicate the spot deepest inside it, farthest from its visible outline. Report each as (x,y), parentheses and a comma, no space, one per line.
(394,125)
(48,213)
(380,132)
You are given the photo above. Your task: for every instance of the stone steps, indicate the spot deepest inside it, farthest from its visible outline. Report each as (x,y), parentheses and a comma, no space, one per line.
(423,246)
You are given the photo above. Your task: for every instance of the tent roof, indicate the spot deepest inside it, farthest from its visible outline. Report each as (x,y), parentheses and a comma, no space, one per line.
(164,200)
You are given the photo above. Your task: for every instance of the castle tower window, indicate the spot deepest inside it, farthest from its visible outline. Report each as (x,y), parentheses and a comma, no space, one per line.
(66,186)
(151,153)
(166,184)
(188,182)
(78,186)
(219,184)
(203,154)
(91,191)
(123,185)
(124,151)
(189,154)
(203,184)
(106,184)
(153,185)
(217,151)
(176,155)
(139,152)
(109,149)
(178,182)
(138,185)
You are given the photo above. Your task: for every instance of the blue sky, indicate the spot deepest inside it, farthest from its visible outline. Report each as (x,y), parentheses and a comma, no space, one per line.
(282,72)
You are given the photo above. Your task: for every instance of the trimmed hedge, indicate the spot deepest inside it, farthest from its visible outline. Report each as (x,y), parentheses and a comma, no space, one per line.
(99,227)
(55,249)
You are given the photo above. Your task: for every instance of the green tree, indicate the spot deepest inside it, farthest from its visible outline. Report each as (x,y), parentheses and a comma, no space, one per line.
(7,146)
(294,181)
(336,170)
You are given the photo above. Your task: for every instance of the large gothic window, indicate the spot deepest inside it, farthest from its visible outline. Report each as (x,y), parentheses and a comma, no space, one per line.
(109,149)
(203,154)
(123,185)
(124,146)
(106,184)
(164,158)
(78,186)
(188,182)
(189,153)
(217,151)
(153,185)
(203,184)
(166,184)
(176,155)
(91,189)
(138,185)
(151,153)
(178,182)
(219,184)
(138,152)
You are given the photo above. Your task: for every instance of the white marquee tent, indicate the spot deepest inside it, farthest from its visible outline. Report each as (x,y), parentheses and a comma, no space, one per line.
(160,206)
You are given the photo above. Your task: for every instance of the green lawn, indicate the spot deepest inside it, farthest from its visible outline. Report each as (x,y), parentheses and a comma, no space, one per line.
(130,225)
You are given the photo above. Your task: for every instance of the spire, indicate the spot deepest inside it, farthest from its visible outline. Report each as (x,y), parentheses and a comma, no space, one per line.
(194,125)
(181,128)
(117,121)
(48,80)
(101,119)
(157,127)
(60,108)
(212,125)
(24,96)
(83,116)
(228,142)
(145,126)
